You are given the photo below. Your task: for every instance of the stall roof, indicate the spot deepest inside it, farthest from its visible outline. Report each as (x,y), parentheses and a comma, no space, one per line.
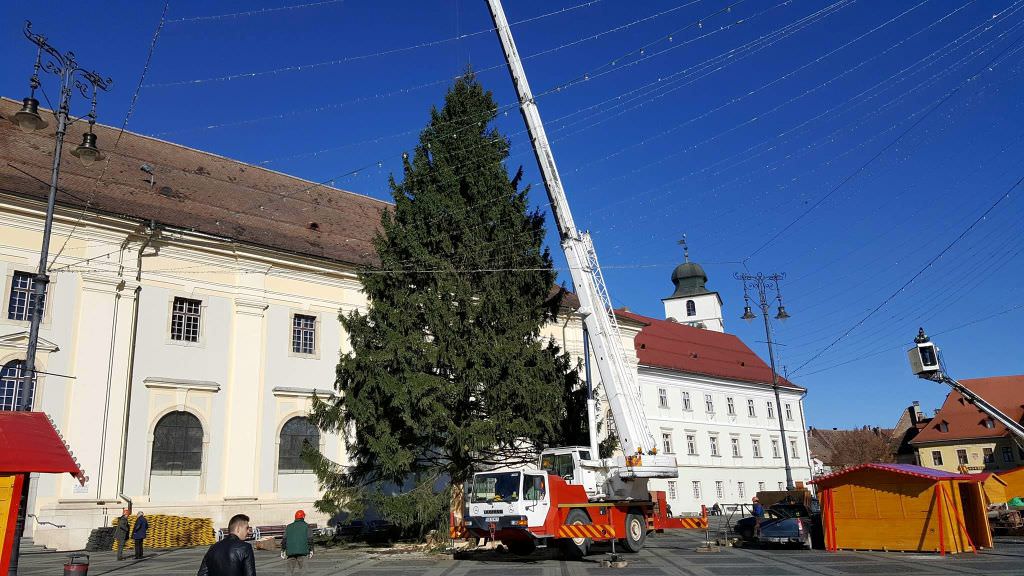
(904,469)
(30,443)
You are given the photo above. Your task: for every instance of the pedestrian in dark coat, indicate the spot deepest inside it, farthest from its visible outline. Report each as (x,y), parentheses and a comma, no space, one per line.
(232,556)
(139,534)
(121,530)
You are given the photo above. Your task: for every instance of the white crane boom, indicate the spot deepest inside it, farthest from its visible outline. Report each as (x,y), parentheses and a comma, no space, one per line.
(621,388)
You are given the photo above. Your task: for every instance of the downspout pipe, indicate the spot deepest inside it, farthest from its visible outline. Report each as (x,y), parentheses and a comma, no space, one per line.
(153,231)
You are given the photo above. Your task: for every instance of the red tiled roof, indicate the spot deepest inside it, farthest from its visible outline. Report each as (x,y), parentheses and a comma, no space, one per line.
(192,190)
(965,421)
(904,469)
(29,443)
(667,344)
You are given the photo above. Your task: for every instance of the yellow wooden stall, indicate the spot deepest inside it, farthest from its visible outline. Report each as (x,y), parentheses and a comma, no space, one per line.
(993,486)
(1014,480)
(903,507)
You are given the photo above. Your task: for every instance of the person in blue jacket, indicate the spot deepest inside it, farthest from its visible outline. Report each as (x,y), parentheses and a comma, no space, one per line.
(139,534)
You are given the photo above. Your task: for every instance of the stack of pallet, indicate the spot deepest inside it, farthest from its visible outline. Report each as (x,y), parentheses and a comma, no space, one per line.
(174,532)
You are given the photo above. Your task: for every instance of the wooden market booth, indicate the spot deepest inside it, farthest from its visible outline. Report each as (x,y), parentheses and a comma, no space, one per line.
(903,507)
(28,443)
(1014,480)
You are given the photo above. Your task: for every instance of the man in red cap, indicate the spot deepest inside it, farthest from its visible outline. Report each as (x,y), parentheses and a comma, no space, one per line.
(297,544)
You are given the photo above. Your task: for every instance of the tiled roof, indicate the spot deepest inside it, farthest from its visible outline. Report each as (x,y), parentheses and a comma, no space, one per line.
(965,421)
(674,346)
(192,190)
(904,469)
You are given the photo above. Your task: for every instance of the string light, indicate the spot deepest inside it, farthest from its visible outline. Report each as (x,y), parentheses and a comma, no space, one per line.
(260,12)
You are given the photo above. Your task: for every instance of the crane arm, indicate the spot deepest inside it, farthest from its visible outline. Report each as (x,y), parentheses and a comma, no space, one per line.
(621,388)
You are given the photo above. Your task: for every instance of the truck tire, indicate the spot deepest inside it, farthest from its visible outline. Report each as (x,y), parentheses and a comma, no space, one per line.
(576,548)
(636,532)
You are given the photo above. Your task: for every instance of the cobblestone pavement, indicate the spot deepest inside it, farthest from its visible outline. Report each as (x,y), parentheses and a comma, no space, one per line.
(664,555)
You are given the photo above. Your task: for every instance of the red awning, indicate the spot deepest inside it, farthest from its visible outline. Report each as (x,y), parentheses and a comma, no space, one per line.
(30,443)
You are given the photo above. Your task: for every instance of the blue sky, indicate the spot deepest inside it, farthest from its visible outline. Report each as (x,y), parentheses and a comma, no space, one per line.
(845,143)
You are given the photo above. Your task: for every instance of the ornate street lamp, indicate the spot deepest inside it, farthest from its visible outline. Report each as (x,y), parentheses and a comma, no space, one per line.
(762,285)
(88,83)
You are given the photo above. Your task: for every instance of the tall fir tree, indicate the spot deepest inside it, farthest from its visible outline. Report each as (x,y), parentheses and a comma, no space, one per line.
(448,372)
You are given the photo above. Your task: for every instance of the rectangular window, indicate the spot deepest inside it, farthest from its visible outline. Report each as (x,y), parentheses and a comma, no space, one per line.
(709,404)
(760,486)
(789,412)
(741,490)
(662,398)
(775,448)
(691,444)
(990,457)
(686,402)
(793,452)
(1007,454)
(696,489)
(936,458)
(755,443)
(961,456)
(671,489)
(303,334)
(771,409)
(750,409)
(609,422)
(714,445)
(720,489)
(22,300)
(666,442)
(185,316)
(730,406)
(735,447)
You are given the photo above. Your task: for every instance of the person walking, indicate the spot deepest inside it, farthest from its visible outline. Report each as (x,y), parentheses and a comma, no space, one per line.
(139,533)
(121,533)
(297,544)
(232,556)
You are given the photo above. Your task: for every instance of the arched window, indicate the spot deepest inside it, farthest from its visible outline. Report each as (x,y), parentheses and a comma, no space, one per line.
(296,434)
(177,445)
(691,308)
(13,395)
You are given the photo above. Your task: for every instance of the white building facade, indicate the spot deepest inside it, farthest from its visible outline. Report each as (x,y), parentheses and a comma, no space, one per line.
(710,402)
(192,315)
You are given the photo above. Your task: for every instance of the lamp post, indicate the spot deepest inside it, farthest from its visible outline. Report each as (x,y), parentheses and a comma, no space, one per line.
(87,83)
(761,285)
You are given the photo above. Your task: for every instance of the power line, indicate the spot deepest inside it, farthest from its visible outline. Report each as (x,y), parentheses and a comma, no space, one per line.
(885,148)
(924,269)
(370,55)
(260,12)
(124,125)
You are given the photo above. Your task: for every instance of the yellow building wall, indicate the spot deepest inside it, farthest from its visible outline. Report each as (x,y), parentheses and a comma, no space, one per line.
(975,455)
(881,512)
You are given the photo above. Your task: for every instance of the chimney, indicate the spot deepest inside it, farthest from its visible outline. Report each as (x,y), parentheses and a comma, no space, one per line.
(916,415)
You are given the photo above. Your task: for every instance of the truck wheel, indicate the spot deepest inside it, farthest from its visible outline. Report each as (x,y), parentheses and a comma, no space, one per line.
(576,548)
(636,532)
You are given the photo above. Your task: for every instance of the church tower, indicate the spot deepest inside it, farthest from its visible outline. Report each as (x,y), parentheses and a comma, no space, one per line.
(692,303)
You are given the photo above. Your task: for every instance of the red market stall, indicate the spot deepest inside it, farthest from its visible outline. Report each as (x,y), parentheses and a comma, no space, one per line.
(28,443)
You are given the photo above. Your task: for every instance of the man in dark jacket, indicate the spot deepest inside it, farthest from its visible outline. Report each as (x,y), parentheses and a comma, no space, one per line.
(121,533)
(297,545)
(232,556)
(139,534)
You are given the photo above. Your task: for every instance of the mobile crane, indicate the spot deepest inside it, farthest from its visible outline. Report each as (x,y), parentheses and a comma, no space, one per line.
(575,497)
(926,363)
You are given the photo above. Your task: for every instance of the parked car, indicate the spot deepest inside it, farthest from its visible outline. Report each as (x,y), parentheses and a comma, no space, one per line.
(784,522)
